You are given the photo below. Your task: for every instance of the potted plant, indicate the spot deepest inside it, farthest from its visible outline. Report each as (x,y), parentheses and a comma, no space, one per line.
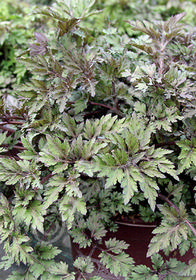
(108,135)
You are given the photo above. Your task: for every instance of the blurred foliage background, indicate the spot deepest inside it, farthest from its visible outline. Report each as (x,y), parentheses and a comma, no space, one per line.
(18,22)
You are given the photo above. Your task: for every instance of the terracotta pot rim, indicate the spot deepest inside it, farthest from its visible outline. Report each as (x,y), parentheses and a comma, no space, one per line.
(131,224)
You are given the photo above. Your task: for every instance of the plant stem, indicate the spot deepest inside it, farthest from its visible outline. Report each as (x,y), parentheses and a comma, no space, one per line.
(113,88)
(92,251)
(169,202)
(46,178)
(14,147)
(19,148)
(101,105)
(163,44)
(15,122)
(83,275)
(4,117)
(11,122)
(161,66)
(44,235)
(7,129)
(115,99)
(106,106)
(191,226)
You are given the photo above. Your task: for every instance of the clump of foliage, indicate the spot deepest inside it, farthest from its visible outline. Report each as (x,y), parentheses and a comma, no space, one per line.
(17,27)
(108,124)
(41,2)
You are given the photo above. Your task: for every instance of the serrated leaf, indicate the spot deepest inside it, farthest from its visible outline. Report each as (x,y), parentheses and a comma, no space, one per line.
(171,232)
(142,272)
(149,188)
(116,246)
(119,265)
(96,227)
(187,155)
(61,269)
(68,206)
(129,186)
(84,264)
(46,252)
(34,215)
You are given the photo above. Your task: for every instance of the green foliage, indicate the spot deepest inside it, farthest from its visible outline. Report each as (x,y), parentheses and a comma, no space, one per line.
(84,264)
(170,270)
(40,259)
(17,28)
(24,172)
(187,156)
(172,231)
(118,265)
(28,211)
(2,139)
(103,126)
(127,162)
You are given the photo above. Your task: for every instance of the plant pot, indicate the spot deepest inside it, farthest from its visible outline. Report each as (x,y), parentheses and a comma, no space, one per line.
(138,236)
